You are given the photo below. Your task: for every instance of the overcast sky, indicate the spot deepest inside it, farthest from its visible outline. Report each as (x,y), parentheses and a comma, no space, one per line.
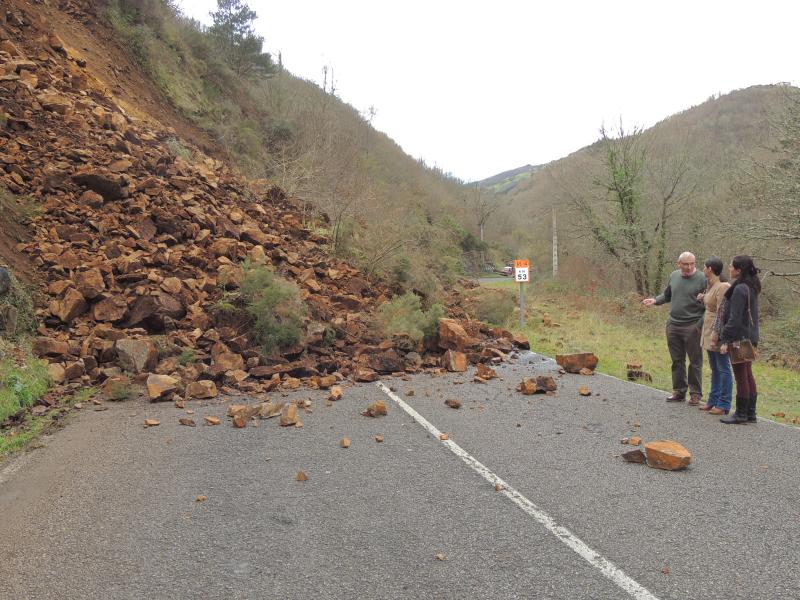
(478,87)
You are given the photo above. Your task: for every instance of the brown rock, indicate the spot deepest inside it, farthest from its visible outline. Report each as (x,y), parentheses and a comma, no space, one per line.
(107,185)
(376,409)
(202,389)
(455,362)
(379,439)
(57,373)
(288,415)
(301,476)
(542,384)
(212,420)
(71,305)
(161,387)
(635,456)
(90,283)
(585,391)
(45,346)
(324,382)
(573,363)
(153,312)
(336,394)
(151,422)
(452,335)
(635,440)
(668,455)
(365,374)
(520,341)
(229,361)
(453,403)
(485,372)
(136,356)
(239,422)
(187,422)
(585,371)
(110,309)
(345,443)
(74,370)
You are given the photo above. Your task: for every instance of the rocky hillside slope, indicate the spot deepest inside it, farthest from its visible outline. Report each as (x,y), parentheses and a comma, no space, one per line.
(137,236)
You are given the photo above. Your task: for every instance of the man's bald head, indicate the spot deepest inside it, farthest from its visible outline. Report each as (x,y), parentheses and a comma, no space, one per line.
(687,264)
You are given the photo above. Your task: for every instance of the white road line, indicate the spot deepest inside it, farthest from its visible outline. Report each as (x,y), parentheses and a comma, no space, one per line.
(605,566)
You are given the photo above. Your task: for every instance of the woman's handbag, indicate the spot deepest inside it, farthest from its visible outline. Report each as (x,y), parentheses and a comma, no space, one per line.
(742,352)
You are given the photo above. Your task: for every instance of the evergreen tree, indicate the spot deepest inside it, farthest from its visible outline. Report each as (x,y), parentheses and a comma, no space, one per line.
(233,33)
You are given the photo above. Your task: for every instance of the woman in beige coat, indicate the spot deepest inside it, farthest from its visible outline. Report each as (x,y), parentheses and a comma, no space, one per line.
(719,399)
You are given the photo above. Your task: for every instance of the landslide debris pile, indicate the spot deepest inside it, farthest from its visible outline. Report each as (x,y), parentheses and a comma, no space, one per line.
(135,241)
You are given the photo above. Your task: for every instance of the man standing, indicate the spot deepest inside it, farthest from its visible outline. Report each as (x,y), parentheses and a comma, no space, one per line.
(684,327)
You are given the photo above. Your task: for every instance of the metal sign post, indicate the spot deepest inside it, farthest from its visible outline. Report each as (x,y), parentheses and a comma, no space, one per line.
(522,270)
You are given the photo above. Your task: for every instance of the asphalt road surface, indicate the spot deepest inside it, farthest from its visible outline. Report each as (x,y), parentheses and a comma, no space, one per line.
(107,509)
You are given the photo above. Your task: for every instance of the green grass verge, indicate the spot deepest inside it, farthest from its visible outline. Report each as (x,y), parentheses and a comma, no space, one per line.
(619,330)
(21,386)
(22,436)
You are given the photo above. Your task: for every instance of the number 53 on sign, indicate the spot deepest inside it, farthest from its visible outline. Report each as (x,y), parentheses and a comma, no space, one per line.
(522,270)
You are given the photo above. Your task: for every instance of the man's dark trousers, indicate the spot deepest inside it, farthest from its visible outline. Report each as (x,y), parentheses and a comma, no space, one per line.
(683,339)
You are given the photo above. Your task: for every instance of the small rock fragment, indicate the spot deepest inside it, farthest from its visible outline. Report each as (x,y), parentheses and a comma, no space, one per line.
(376,409)
(335,394)
(444,437)
(201,498)
(585,391)
(635,456)
(239,422)
(345,443)
(379,439)
(212,420)
(498,487)
(151,422)
(635,440)
(301,476)
(288,415)
(453,403)
(186,421)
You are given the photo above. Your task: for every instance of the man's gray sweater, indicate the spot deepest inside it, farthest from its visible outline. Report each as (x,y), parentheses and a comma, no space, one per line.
(681,292)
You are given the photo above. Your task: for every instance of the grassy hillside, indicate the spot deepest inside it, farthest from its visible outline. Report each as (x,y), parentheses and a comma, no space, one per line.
(505,182)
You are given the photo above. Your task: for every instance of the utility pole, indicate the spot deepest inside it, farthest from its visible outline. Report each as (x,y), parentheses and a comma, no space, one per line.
(555,245)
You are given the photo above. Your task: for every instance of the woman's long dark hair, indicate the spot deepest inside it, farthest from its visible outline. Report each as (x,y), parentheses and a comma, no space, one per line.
(748,273)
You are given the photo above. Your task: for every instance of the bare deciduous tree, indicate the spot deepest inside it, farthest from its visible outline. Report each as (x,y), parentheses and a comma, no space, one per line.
(640,194)
(773,190)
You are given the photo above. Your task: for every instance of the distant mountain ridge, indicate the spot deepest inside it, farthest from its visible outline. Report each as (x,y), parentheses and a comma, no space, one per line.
(504,182)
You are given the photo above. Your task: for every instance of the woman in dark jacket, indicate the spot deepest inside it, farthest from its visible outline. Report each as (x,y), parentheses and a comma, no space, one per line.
(740,322)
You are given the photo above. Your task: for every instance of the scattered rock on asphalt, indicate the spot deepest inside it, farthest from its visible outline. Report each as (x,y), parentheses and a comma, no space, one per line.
(376,409)
(485,372)
(186,421)
(201,498)
(573,363)
(379,439)
(453,403)
(345,442)
(635,440)
(635,456)
(301,476)
(542,384)
(454,361)
(585,391)
(336,393)
(161,387)
(203,389)
(151,422)
(212,420)
(667,455)
(288,415)
(444,437)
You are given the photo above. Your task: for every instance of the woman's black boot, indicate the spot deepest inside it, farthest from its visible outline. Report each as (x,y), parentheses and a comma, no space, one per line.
(751,409)
(740,415)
